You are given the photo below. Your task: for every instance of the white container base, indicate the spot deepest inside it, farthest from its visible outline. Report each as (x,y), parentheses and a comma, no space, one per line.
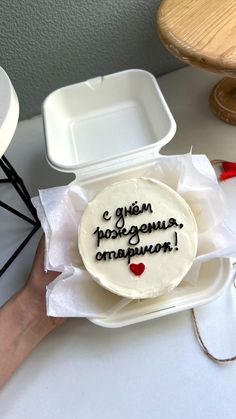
(215,276)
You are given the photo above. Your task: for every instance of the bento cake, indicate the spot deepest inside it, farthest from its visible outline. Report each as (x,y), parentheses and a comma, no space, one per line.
(138,238)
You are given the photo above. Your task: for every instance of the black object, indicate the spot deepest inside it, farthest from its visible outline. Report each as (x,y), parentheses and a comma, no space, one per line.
(13,178)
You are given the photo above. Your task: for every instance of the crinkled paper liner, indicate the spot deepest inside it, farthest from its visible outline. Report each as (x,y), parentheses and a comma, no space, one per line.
(74,293)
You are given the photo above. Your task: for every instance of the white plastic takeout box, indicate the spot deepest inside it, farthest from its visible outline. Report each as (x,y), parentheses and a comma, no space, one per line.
(110,128)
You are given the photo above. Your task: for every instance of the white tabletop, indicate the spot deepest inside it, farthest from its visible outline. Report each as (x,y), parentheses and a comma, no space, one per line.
(150,370)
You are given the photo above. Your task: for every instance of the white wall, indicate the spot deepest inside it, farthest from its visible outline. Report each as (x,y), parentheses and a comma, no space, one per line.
(46,44)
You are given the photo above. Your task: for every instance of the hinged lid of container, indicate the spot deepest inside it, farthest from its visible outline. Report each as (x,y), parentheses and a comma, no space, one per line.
(107,123)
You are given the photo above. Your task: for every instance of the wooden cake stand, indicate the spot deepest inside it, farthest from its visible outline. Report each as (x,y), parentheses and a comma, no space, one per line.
(203,33)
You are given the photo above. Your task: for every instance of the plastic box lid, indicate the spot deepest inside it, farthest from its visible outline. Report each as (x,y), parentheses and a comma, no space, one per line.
(115,121)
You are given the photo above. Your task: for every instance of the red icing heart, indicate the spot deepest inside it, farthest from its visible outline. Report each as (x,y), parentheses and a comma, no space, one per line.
(137,268)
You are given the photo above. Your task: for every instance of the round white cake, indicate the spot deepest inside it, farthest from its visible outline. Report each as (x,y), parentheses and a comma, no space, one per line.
(138,238)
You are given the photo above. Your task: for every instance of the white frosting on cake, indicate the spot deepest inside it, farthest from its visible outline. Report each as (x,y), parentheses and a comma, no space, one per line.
(141,216)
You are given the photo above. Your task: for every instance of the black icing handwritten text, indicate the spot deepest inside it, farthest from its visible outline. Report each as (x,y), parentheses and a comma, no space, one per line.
(106,216)
(134,251)
(133,209)
(134,233)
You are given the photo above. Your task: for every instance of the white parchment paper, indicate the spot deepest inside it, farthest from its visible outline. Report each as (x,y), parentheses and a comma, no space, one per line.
(74,293)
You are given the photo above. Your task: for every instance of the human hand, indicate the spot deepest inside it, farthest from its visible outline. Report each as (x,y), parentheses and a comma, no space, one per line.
(35,288)
(23,319)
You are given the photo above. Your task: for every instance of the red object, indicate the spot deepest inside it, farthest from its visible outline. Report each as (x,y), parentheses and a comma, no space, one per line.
(137,268)
(229,170)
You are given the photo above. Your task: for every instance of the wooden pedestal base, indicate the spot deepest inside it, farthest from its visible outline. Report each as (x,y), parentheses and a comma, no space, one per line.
(223,100)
